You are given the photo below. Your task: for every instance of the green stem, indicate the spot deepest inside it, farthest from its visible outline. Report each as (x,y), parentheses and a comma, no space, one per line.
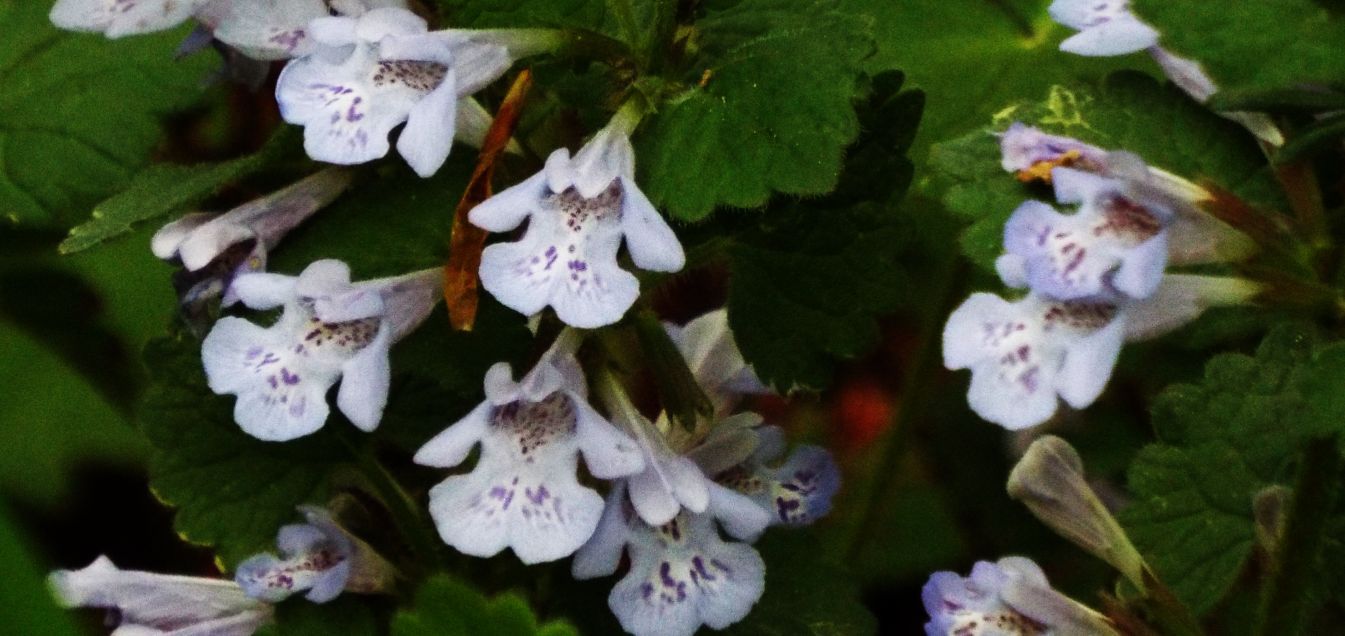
(1305,197)
(405,516)
(922,371)
(1284,601)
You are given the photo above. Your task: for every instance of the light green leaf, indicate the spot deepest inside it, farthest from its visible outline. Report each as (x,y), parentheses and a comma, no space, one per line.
(446,607)
(768,107)
(162,189)
(231,491)
(1128,111)
(1264,44)
(80,113)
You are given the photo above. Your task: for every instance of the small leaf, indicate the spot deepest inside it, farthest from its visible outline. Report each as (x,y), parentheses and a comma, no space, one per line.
(447,607)
(768,108)
(163,189)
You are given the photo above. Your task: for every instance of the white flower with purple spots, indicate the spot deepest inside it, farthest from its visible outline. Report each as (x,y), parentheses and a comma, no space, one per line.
(1024,355)
(1105,27)
(1181,298)
(368,75)
(523,493)
(319,557)
(214,249)
(330,329)
(797,491)
(161,604)
(1115,241)
(714,359)
(578,211)
(682,573)
(1008,598)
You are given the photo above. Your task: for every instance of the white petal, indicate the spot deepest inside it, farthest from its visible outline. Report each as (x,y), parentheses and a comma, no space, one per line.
(601,293)
(478,64)
(269,29)
(1011,405)
(962,335)
(802,488)
(542,514)
(204,245)
(165,242)
(652,244)
(264,291)
(320,278)
(742,517)
(365,379)
(521,275)
(146,598)
(377,24)
(299,538)
(603,159)
(1089,363)
(451,446)
(1117,37)
(473,123)
(280,396)
(344,305)
(1077,186)
(1075,14)
(499,384)
(507,209)
(430,127)
(1142,269)
(608,452)
(559,171)
(118,19)
(601,555)
(665,485)
(333,31)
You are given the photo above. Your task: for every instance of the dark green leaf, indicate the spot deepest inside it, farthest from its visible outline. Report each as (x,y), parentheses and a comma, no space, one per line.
(446,607)
(23,589)
(1323,135)
(1264,44)
(162,189)
(768,108)
(348,615)
(805,595)
(231,491)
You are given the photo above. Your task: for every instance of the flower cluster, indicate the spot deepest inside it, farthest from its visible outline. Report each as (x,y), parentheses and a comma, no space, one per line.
(1095,277)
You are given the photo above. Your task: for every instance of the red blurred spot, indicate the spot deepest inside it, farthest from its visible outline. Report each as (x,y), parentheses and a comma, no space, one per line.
(862,411)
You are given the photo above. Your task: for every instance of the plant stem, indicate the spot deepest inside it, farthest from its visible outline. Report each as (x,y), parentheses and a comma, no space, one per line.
(405,516)
(1305,197)
(919,374)
(1284,601)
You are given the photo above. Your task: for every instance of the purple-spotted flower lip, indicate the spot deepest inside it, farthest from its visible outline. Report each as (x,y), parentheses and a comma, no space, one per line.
(523,493)
(580,209)
(315,557)
(749,458)
(152,602)
(683,574)
(1028,354)
(330,329)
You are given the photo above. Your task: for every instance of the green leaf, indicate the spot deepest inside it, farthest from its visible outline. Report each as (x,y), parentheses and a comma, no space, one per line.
(506,14)
(972,57)
(1128,111)
(446,607)
(1265,44)
(162,189)
(31,610)
(231,491)
(348,614)
(80,113)
(805,595)
(768,108)
(803,294)
(1222,441)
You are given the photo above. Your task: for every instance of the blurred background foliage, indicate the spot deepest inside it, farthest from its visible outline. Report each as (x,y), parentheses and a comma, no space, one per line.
(924,476)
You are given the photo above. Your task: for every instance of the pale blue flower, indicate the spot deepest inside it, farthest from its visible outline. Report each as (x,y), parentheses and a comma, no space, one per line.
(319,557)
(1008,598)
(1105,27)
